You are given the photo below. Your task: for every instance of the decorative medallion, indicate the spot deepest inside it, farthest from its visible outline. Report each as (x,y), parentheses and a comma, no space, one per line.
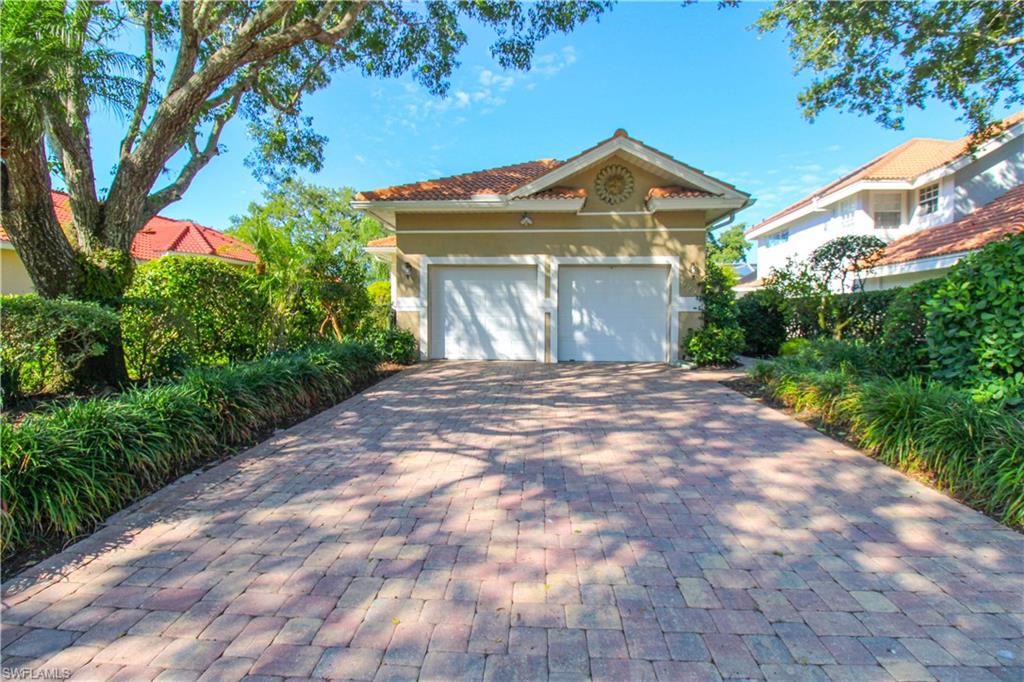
(614,184)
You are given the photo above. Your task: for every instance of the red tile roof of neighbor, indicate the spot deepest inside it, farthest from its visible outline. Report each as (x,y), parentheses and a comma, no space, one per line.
(165,235)
(905,162)
(505,179)
(992,221)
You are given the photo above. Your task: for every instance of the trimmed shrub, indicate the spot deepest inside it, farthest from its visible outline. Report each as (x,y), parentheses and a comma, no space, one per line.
(975,329)
(393,345)
(67,469)
(34,327)
(903,344)
(721,338)
(764,326)
(191,311)
(863,312)
(714,345)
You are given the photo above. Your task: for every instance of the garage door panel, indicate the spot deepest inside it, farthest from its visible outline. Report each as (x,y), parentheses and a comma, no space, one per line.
(613,313)
(483,313)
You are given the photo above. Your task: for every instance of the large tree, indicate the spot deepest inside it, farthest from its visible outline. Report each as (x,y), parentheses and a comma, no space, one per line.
(200,64)
(881,58)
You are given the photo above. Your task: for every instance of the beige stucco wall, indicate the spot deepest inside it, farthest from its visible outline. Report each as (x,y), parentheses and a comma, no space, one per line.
(14,277)
(599,229)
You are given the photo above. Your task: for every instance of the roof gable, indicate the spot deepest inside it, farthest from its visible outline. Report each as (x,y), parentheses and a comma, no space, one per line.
(550,179)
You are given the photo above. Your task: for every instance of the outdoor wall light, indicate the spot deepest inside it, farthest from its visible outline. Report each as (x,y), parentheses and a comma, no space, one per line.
(526,220)
(407,270)
(694,270)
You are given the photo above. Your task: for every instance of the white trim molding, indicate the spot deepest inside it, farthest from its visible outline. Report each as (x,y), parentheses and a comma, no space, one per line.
(672,352)
(920,265)
(557,230)
(641,153)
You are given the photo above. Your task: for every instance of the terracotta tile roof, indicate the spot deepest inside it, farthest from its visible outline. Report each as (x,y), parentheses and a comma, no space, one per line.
(165,235)
(383,242)
(992,221)
(499,181)
(907,161)
(676,192)
(559,193)
(467,185)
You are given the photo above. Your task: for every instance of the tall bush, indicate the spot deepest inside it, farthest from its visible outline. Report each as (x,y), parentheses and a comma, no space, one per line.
(975,328)
(191,311)
(33,331)
(903,346)
(759,313)
(721,338)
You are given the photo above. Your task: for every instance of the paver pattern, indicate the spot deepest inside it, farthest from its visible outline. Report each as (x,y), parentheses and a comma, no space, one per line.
(511,521)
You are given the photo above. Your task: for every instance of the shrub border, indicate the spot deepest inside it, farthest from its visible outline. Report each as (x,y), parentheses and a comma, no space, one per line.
(308,382)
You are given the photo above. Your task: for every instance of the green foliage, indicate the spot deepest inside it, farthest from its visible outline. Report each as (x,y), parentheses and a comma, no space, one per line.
(975,322)
(191,311)
(728,247)
(793,346)
(880,58)
(717,296)
(67,469)
(33,330)
(393,345)
(858,315)
(714,345)
(379,315)
(759,313)
(973,450)
(902,343)
(313,269)
(721,338)
(812,290)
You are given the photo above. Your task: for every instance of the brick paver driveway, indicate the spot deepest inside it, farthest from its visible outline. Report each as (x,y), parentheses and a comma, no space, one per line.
(500,521)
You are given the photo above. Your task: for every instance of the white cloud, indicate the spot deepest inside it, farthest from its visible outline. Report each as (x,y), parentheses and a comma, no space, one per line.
(551,63)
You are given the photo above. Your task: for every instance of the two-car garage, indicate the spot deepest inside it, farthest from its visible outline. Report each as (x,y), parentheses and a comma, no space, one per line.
(592,312)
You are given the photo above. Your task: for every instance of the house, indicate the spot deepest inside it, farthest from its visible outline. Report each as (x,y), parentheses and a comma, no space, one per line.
(936,249)
(595,258)
(920,186)
(160,237)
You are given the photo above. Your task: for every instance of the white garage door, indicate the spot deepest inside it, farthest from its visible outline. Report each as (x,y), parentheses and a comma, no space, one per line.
(613,313)
(484,313)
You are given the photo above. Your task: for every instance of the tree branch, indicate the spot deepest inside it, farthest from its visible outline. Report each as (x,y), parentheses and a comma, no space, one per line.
(197,161)
(147,85)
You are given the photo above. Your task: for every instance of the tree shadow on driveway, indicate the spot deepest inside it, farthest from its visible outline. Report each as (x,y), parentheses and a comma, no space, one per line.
(606,521)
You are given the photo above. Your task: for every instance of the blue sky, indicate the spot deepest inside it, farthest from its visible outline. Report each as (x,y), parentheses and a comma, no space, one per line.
(695,82)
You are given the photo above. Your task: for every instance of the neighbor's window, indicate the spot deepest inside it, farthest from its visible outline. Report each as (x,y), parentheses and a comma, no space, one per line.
(844,213)
(928,199)
(888,211)
(780,238)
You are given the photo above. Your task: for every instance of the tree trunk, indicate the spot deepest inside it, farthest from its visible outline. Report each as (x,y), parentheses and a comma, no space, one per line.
(52,264)
(30,221)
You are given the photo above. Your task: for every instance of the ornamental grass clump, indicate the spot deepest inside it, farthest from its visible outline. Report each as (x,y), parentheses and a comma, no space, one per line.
(68,468)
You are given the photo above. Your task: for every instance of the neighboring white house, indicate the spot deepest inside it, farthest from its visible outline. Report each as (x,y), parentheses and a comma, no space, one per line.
(923,184)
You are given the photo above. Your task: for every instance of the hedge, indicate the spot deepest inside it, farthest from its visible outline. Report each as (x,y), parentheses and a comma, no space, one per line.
(66,469)
(975,328)
(32,329)
(867,309)
(973,450)
(190,311)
